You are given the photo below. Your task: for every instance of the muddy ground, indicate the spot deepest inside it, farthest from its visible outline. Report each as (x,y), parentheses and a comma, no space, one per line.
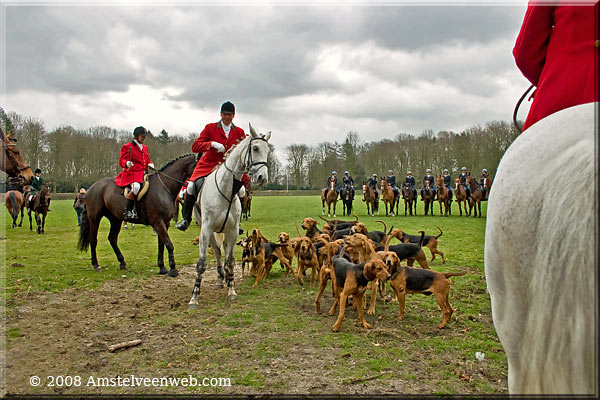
(68,333)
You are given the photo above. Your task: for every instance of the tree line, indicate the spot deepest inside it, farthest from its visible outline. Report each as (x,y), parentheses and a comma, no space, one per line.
(72,158)
(475,148)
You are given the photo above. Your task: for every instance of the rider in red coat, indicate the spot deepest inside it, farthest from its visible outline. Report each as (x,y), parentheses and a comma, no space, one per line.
(555,51)
(135,161)
(214,141)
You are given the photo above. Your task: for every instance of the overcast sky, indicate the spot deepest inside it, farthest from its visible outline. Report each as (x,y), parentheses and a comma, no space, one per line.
(307,73)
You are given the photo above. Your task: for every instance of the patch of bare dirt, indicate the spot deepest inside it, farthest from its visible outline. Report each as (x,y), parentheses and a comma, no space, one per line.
(69,333)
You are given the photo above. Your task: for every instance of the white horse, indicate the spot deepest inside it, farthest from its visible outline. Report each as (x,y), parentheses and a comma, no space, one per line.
(220,206)
(540,256)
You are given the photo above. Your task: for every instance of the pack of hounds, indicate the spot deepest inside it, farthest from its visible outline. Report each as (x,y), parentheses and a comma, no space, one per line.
(354,260)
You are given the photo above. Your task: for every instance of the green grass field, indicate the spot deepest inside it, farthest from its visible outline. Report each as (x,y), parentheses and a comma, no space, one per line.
(269,341)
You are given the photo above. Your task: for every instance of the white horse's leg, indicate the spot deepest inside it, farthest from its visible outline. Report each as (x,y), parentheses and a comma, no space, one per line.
(229,247)
(214,244)
(205,236)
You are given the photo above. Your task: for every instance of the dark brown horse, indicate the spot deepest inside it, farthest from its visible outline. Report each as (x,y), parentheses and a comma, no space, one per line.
(388,196)
(369,198)
(247,202)
(39,204)
(410,200)
(476,195)
(332,196)
(105,199)
(461,197)
(177,203)
(443,196)
(346,196)
(427,198)
(11,160)
(14,201)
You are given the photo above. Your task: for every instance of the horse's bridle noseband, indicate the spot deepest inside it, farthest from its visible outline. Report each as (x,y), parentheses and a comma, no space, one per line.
(247,160)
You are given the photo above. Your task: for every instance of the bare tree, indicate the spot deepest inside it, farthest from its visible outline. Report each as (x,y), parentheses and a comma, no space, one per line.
(296,158)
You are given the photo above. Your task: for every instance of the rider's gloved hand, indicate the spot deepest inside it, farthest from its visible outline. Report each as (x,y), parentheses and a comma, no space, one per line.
(217,146)
(129,164)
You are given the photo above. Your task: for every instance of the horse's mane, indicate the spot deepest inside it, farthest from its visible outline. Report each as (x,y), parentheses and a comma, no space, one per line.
(172,161)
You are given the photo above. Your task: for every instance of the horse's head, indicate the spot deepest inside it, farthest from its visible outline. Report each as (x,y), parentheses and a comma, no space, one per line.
(45,193)
(13,163)
(257,154)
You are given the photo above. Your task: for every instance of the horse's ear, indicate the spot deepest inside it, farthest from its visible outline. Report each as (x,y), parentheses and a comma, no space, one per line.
(252,131)
(268,135)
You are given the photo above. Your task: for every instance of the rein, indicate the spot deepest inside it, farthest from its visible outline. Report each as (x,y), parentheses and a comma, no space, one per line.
(515,123)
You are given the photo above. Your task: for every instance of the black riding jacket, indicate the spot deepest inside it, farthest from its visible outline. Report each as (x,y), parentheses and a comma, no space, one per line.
(431,180)
(391,180)
(373,183)
(447,180)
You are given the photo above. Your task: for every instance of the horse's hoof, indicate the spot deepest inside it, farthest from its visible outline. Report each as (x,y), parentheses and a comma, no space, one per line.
(193,306)
(173,273)
(162,271)
(97,268)
(231,297)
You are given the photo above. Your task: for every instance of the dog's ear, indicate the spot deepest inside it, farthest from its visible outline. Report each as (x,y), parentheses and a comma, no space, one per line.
(262,237)
(369,271)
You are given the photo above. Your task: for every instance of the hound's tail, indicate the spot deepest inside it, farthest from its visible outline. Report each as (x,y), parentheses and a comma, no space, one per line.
(449,274)
(421,240)
(441,232)
(298,230)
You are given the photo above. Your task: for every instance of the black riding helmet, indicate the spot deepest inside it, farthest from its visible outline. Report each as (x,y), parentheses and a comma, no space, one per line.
(140,130)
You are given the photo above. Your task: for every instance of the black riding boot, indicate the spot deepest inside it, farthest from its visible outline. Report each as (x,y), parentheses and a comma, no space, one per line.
(130,213)
(241,230)
(188,209)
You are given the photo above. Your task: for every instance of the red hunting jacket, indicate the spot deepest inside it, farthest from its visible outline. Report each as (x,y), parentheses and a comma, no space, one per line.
(140,159)
(555,51)
(211,157)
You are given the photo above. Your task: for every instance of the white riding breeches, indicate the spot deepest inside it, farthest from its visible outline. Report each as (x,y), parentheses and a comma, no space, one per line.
(135,187)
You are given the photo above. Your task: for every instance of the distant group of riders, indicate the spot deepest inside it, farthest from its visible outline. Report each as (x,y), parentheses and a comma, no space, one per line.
(409,182)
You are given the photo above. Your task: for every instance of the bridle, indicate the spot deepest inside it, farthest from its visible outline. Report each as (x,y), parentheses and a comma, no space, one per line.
(246,159)
(11,158)
(248,164)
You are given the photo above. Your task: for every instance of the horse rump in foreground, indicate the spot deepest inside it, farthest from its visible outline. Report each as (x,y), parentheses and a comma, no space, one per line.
(14,201)
(221,210)
(540,257)
(155,208)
